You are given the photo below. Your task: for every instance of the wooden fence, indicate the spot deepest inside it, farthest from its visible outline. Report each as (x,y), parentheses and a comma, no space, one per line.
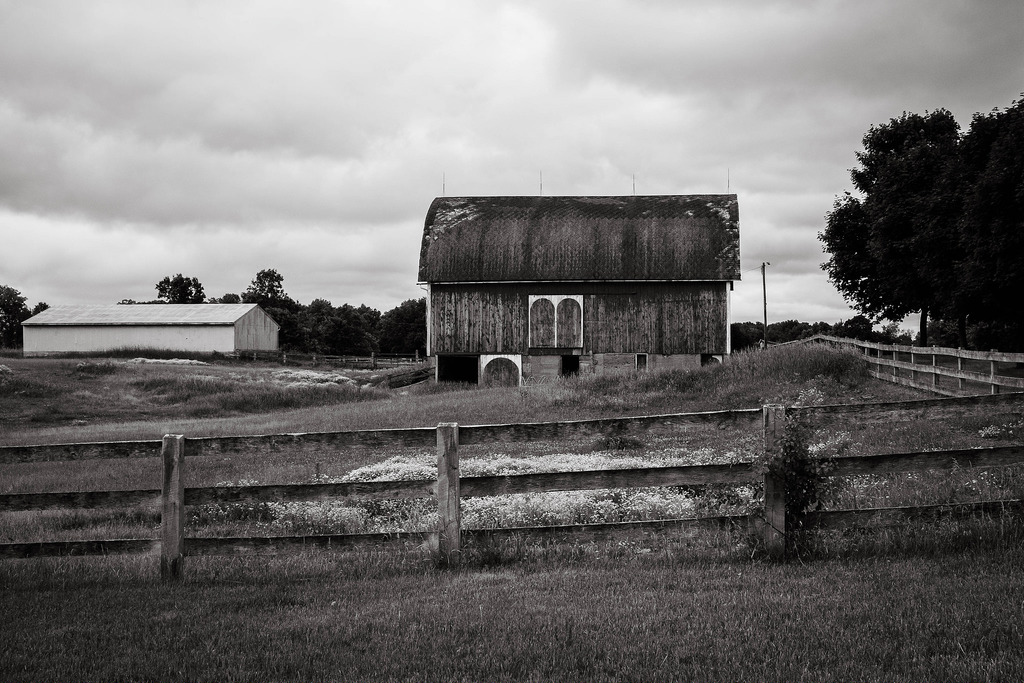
(944,371)
(374,361)
(449,487)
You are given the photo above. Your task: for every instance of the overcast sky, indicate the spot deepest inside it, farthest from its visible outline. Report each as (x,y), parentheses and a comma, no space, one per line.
(140,139)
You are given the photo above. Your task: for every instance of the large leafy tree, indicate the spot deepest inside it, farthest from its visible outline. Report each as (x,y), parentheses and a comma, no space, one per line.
(180,290)
(990,228)
(889,244)
(12,312)
(267,290)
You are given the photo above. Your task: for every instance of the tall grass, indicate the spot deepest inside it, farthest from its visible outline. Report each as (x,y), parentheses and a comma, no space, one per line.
(87,400)
(212,396)
(748,379)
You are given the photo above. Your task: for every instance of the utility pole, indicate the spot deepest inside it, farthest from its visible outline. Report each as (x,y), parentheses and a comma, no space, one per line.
(764,296)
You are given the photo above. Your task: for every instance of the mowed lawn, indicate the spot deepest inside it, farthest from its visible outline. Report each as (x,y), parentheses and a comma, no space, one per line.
(654,617)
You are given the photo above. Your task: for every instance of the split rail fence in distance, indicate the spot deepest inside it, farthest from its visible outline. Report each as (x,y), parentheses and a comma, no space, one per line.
(374,361)
(771,524)
(945,371)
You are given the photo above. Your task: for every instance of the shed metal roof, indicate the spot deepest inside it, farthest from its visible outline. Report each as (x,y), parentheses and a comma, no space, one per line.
(524,239)
(142,314)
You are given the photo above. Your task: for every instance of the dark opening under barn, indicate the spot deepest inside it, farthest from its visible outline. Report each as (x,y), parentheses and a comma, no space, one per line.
(458,369)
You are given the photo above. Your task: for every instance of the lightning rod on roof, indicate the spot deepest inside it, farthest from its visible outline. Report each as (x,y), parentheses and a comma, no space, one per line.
(542,183)
(634,184)
(442,183)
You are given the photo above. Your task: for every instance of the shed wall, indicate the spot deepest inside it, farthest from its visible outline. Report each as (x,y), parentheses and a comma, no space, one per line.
(42,339)
(256,331)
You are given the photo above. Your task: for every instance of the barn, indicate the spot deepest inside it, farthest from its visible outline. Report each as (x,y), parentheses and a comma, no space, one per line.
(537,287)
(196,328)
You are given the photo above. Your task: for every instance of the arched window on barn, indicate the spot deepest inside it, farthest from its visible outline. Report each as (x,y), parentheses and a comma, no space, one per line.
(542,323)
(501,372)
(556,321)
(570,324)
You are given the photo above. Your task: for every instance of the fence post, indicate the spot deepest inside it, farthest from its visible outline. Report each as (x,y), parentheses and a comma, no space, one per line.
(449,525)
(172,510)
(774,420)
(992,376)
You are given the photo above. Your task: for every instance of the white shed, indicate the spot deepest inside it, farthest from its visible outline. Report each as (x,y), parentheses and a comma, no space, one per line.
(198,328)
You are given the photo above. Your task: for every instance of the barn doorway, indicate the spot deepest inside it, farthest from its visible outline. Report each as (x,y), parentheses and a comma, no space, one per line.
(458,369)
(570,366)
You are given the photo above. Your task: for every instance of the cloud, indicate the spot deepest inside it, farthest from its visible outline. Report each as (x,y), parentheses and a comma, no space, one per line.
(139,140)
(773,51)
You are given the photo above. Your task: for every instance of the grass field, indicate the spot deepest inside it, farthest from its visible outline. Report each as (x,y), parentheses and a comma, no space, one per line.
(954,616)
(939,602)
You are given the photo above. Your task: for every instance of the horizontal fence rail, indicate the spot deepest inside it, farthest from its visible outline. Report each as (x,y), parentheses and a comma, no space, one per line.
(906,411)
(893,516)
(80,500)
(902,463)
(140,546)
(691,475)
(449,487)
(377,438)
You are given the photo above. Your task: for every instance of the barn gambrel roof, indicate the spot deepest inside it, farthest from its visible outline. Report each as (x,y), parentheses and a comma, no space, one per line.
(143,314)
(537,239)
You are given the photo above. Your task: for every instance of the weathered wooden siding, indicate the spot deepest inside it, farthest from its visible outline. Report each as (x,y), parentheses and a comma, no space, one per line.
(485,319)
(689,318)
(664,318)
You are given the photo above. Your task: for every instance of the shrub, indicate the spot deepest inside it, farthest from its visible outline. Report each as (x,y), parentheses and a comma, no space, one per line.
(803,475)
(97,369)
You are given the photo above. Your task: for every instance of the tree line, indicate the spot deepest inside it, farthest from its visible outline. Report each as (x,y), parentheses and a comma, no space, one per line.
(749,334)
(319,327)
(935,225)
